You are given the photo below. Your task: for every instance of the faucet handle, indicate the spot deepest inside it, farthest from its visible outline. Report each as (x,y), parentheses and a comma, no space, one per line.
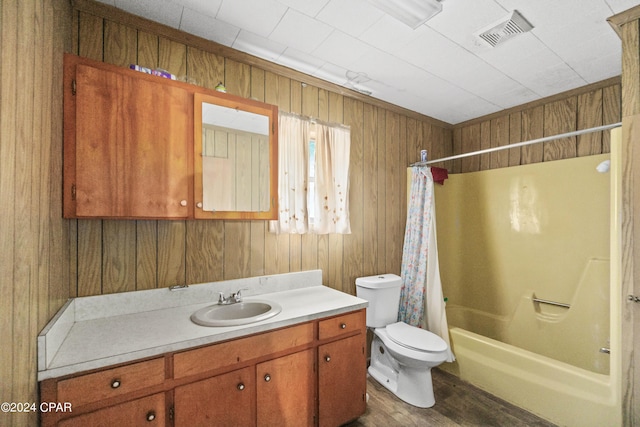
(221,298)
(238,295)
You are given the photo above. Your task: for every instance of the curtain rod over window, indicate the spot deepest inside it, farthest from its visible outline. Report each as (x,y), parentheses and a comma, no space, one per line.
(313,120)
(520,144)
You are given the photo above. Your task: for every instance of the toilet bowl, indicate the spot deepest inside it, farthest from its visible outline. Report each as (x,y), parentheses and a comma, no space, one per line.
(404,369)
(402,356)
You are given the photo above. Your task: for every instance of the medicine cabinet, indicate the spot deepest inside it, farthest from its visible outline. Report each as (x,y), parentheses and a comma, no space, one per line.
(136,147)
(235,158)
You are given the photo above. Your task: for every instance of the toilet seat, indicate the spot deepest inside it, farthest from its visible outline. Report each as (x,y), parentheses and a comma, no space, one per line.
(415,338)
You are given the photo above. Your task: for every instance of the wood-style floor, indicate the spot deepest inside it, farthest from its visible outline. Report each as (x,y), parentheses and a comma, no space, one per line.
(458,403)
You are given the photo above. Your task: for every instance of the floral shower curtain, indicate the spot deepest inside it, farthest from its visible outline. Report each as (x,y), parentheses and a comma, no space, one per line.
(421,300)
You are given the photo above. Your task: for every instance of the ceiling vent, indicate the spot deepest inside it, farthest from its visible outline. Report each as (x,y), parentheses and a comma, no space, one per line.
(505,29)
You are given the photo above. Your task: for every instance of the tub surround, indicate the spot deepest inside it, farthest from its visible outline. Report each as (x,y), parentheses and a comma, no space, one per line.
(99,331)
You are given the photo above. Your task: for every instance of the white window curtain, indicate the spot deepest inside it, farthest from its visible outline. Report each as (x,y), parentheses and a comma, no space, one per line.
(333,146)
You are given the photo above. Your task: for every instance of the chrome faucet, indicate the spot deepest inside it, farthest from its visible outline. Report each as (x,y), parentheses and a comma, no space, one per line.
(231,299)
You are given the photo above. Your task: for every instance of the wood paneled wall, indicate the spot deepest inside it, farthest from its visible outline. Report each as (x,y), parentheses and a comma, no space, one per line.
(118,255)
(587,107)
(34,273)
(627,24)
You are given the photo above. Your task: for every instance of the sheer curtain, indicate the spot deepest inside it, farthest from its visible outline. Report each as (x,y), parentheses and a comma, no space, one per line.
(293,153)
(331,201)
(333,148)
(421,284)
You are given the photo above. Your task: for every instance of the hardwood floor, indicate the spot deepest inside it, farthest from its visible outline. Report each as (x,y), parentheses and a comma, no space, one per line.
(458,403)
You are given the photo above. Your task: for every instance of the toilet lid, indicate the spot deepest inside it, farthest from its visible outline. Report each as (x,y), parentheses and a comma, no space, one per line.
(415,338)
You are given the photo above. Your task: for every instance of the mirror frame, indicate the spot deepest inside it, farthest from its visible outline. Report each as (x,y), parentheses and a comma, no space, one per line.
(251,106)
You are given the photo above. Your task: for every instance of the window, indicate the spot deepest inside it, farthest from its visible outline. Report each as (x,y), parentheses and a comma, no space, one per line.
(313,177)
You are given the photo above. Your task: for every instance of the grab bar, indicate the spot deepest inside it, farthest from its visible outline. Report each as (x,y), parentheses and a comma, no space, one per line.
(546,301)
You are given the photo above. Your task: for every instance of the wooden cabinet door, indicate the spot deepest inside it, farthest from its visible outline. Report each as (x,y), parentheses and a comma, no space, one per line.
(224,400)
(286,390)
(147,411)
(132,145)
(342,380)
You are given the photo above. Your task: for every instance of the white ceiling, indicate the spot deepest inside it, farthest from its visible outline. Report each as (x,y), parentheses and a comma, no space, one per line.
(441,69)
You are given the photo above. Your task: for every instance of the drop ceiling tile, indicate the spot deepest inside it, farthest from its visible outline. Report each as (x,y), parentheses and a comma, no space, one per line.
(341,49)
(350,16)
(300,61)
(258,46)
(163,11)
(208,7)
(300,31)
(308,7)
(260,16)
(378,34)
(207,27)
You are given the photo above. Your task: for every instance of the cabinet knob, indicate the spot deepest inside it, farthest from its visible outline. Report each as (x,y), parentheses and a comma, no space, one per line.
(151,415)
(241,386)
(183,203)
(267,378)
(199,205)
(343,325)
(115,383)
(327,358)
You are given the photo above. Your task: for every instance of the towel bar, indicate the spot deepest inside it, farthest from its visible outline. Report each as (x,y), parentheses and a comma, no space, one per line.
(546,301)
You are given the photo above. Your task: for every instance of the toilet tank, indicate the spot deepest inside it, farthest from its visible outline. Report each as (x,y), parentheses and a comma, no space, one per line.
(383,294)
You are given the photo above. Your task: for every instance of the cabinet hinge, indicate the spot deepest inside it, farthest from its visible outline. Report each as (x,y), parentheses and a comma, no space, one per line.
(633,298)
(171,410)
(73,192)
(73,86)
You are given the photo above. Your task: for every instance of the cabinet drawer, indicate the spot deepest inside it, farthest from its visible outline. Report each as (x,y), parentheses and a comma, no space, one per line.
(342,324)
(148,411)
(111,382)
(216,356)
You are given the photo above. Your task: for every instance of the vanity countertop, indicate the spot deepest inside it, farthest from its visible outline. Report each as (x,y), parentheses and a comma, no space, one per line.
(95,332)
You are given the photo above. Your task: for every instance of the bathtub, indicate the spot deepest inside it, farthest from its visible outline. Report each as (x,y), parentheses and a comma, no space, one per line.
(556,391)
(507,240)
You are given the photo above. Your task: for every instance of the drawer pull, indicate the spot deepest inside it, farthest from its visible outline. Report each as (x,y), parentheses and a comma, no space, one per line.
(115,383)
(151,415)
(241,386)
(327,358)
(343,325)
(267,378)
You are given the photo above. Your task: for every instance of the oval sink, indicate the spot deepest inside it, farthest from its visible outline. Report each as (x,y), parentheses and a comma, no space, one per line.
(240,313)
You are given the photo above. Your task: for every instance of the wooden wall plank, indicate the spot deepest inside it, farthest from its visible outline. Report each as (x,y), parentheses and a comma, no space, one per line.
(589,114)
(90,36)
(499,137)
(532,128)
(559,118)
(611,112)
(515,136)
(383,199)
(469,141)
(370,200)
(34,272)
(354,243)
(147,50)
(258,228)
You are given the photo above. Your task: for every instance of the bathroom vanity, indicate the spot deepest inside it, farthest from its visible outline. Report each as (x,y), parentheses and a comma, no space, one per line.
(115,365)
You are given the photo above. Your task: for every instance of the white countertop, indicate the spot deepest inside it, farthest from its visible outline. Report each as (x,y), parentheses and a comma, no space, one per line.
(95,332)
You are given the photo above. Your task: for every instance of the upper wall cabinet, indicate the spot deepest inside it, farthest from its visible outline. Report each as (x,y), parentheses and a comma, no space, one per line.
(130,140)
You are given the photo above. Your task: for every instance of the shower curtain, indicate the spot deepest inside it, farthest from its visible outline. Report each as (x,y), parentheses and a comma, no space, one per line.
(421,300)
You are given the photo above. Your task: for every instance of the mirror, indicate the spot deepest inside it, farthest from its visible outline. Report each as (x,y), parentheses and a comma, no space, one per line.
(235,142)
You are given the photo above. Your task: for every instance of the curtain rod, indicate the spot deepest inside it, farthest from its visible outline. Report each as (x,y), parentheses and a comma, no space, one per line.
(520,144)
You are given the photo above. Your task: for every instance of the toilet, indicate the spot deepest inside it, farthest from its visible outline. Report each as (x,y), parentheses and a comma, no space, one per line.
(401,355)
